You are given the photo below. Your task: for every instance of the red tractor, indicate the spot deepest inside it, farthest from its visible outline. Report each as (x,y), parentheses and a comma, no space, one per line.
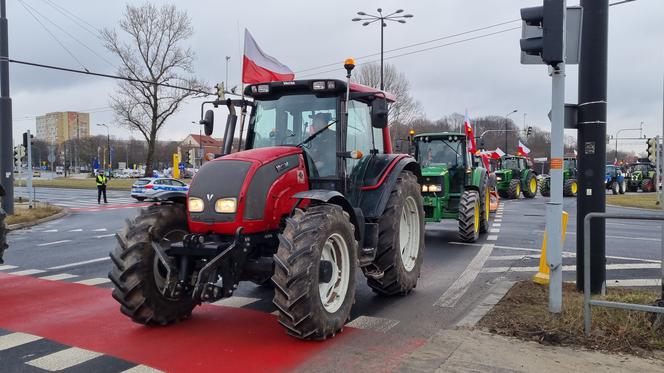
(314,195)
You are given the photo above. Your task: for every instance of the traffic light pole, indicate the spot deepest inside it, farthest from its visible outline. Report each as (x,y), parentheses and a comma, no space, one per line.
(28,170)
(592,140)
(6,158)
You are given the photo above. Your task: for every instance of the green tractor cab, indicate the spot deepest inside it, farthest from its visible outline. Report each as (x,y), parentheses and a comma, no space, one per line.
(515,177)
(641,175)
(570,186)
(452,186)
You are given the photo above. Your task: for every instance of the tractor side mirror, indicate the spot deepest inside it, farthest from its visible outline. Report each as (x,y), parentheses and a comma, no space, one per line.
(2,191)
(208,122)
(379,113)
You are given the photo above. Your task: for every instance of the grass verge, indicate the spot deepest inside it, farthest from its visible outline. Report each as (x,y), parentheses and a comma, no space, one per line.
(640,200)
(89,183)
(523,313)
(22,214)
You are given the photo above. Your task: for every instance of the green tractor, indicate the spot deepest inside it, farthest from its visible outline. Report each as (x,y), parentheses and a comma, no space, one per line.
(570,186)
(452,187)
(514,177)
(641,175)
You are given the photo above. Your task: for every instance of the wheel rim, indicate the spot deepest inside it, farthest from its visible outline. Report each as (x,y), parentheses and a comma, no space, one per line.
(158,270)
(518,189)
(487,205)
(574,187)
(333,292)
(533,185)
(409,234)
(476,215)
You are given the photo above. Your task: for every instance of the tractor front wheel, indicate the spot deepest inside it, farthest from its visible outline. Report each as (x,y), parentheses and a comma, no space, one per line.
(400,239)
(314,275)
(622,187)
(514,190)
(545,188)
(137,273)
(469,216)
(485,208)
(570,188)
(530,187)
(614,187)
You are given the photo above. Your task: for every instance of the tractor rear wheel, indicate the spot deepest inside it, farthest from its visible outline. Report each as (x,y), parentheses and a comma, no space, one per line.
(570,188)
(623,187)
(647,185)
(485,207)
(530,187)
(469,216)
(3,234)
(614,187)
(514,190)
(545,188)
(137,273)
(314,275)
(400,239)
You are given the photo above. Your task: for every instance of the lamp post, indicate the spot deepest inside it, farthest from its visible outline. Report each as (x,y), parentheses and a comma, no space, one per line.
(506,116)
(615,159)
(371,18)
(108,140)
(228,58)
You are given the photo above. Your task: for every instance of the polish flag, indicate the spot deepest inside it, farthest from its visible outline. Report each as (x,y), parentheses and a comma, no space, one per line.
(523,150)
(469,135)
(258,67)
(497,154)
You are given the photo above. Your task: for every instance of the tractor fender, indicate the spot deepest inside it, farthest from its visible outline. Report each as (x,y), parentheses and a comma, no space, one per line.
(374,198)
(335,198)
(476,178)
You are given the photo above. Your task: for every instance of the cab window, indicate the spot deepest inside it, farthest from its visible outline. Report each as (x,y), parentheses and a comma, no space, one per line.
(361,136)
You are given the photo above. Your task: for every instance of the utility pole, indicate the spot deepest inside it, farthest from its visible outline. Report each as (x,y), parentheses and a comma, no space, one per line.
(226,81)
(28,146)
(6,153)
(592,140)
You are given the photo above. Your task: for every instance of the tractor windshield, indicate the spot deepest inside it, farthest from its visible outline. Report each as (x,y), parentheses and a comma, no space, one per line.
(642,168)
(511,163)
(439,152)
(611,170)
(569,163)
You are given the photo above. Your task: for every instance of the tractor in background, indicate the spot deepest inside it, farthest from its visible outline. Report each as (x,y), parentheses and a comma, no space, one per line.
(641,175)
(452,186)
(311,196)
(615,179)
(570,186)
(514,176)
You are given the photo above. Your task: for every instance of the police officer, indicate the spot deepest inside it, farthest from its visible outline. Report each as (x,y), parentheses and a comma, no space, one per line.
(101,180)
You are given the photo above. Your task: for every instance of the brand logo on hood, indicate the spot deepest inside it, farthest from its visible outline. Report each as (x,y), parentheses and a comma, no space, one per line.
(209,196)
(281,166)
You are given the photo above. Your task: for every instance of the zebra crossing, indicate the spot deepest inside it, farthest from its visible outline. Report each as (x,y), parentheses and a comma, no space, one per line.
(76,199)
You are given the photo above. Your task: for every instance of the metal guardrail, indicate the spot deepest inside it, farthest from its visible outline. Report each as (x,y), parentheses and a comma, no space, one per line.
(587,301)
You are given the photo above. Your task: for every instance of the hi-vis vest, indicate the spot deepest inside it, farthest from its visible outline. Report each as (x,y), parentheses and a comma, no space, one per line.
(101,180)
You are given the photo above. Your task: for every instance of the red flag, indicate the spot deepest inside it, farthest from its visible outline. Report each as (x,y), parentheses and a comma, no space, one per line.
(469,135)
(497,154)
(523,150)
(258,67)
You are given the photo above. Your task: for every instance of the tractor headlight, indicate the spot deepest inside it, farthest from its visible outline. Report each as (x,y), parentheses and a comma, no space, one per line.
(196,204)
(498,178)
(425,188)
(225,205)
(435,188)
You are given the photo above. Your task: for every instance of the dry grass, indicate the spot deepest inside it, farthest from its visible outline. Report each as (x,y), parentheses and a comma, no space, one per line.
(523,313)
(89,183)
(640,200)
(22,214)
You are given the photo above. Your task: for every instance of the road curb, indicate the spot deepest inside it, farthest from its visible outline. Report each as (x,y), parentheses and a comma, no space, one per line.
(17,226)
(497,292)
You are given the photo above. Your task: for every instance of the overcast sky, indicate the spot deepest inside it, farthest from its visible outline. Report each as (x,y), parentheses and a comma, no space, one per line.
(483,75)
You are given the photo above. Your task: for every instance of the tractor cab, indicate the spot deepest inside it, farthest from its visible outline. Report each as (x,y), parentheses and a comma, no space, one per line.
(444,159)
(515,176)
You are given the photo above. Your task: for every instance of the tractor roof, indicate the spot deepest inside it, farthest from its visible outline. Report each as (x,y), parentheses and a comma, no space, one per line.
(440,134)
(329,86)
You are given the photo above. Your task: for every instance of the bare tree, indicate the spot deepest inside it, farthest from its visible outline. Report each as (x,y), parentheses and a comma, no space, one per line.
(152,53)
(406,108)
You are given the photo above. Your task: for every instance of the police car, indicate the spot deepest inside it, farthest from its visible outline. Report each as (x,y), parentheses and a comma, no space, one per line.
(158,188)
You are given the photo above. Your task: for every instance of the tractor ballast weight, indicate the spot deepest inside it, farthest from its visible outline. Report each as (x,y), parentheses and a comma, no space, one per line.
(515,177)
(315,191)
(570,186)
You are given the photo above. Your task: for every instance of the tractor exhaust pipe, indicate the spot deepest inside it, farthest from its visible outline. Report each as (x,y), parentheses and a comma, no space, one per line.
(231,121)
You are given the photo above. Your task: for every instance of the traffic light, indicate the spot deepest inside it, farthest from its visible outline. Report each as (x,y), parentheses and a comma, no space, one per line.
(221,95)
(19,153)
(529,131)
(192,156)
(550,18)
(25,139)
(652,149)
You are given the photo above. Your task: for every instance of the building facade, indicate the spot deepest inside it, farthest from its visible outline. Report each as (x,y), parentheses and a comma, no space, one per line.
(58,127)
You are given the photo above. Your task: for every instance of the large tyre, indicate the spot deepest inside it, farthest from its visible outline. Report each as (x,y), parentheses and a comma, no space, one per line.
(469,216)
(647,185)
(622,187)
(514,190)
(316,243)
(400,239)
(614,187)
(140,199)
(530,187)
(137,273)
(503,194)
(571,188)
(545,188)
(3,234)
(485,207)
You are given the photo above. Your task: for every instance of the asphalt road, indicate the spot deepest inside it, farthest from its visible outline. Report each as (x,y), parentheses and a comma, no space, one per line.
(72,255)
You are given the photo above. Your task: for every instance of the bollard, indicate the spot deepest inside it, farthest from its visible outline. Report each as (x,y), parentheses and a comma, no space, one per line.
(542,276)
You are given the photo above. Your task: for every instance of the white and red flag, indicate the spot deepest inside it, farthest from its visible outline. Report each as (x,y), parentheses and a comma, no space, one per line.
(497,154)
(523,150)
(470,135)
(259,67)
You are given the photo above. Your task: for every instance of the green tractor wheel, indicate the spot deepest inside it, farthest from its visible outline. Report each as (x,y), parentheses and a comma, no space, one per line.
(469,216)
(545,188)
(485,208)
(514,190)
(571,188)
(530,187)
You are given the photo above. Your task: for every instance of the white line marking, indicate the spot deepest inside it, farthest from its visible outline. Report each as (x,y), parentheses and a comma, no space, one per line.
(572,268)
(75,230)
(512,257)
(16,339)
(497,293)
(105,235)
(498,220)
(99,230)
(59,277)
(53,243)
(377,324)
(6,267)
(236,302)
(141,369)
(50,231)
(459,287)
(492,237)
(94,281)
(618,237)
(492,230)
(496,224)
(63,359)
(634,282)
(27,272)
(80,263)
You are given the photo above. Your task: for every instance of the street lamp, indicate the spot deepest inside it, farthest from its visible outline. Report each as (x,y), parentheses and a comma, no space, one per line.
(108,141)
(370,18)
(507,115)
(615,159)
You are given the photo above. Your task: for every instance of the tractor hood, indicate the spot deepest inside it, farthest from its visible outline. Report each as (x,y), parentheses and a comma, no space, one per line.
(434,171)
(262,155)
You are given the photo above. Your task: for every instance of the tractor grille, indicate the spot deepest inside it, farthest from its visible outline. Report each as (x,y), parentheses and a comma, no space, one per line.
(217,179)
